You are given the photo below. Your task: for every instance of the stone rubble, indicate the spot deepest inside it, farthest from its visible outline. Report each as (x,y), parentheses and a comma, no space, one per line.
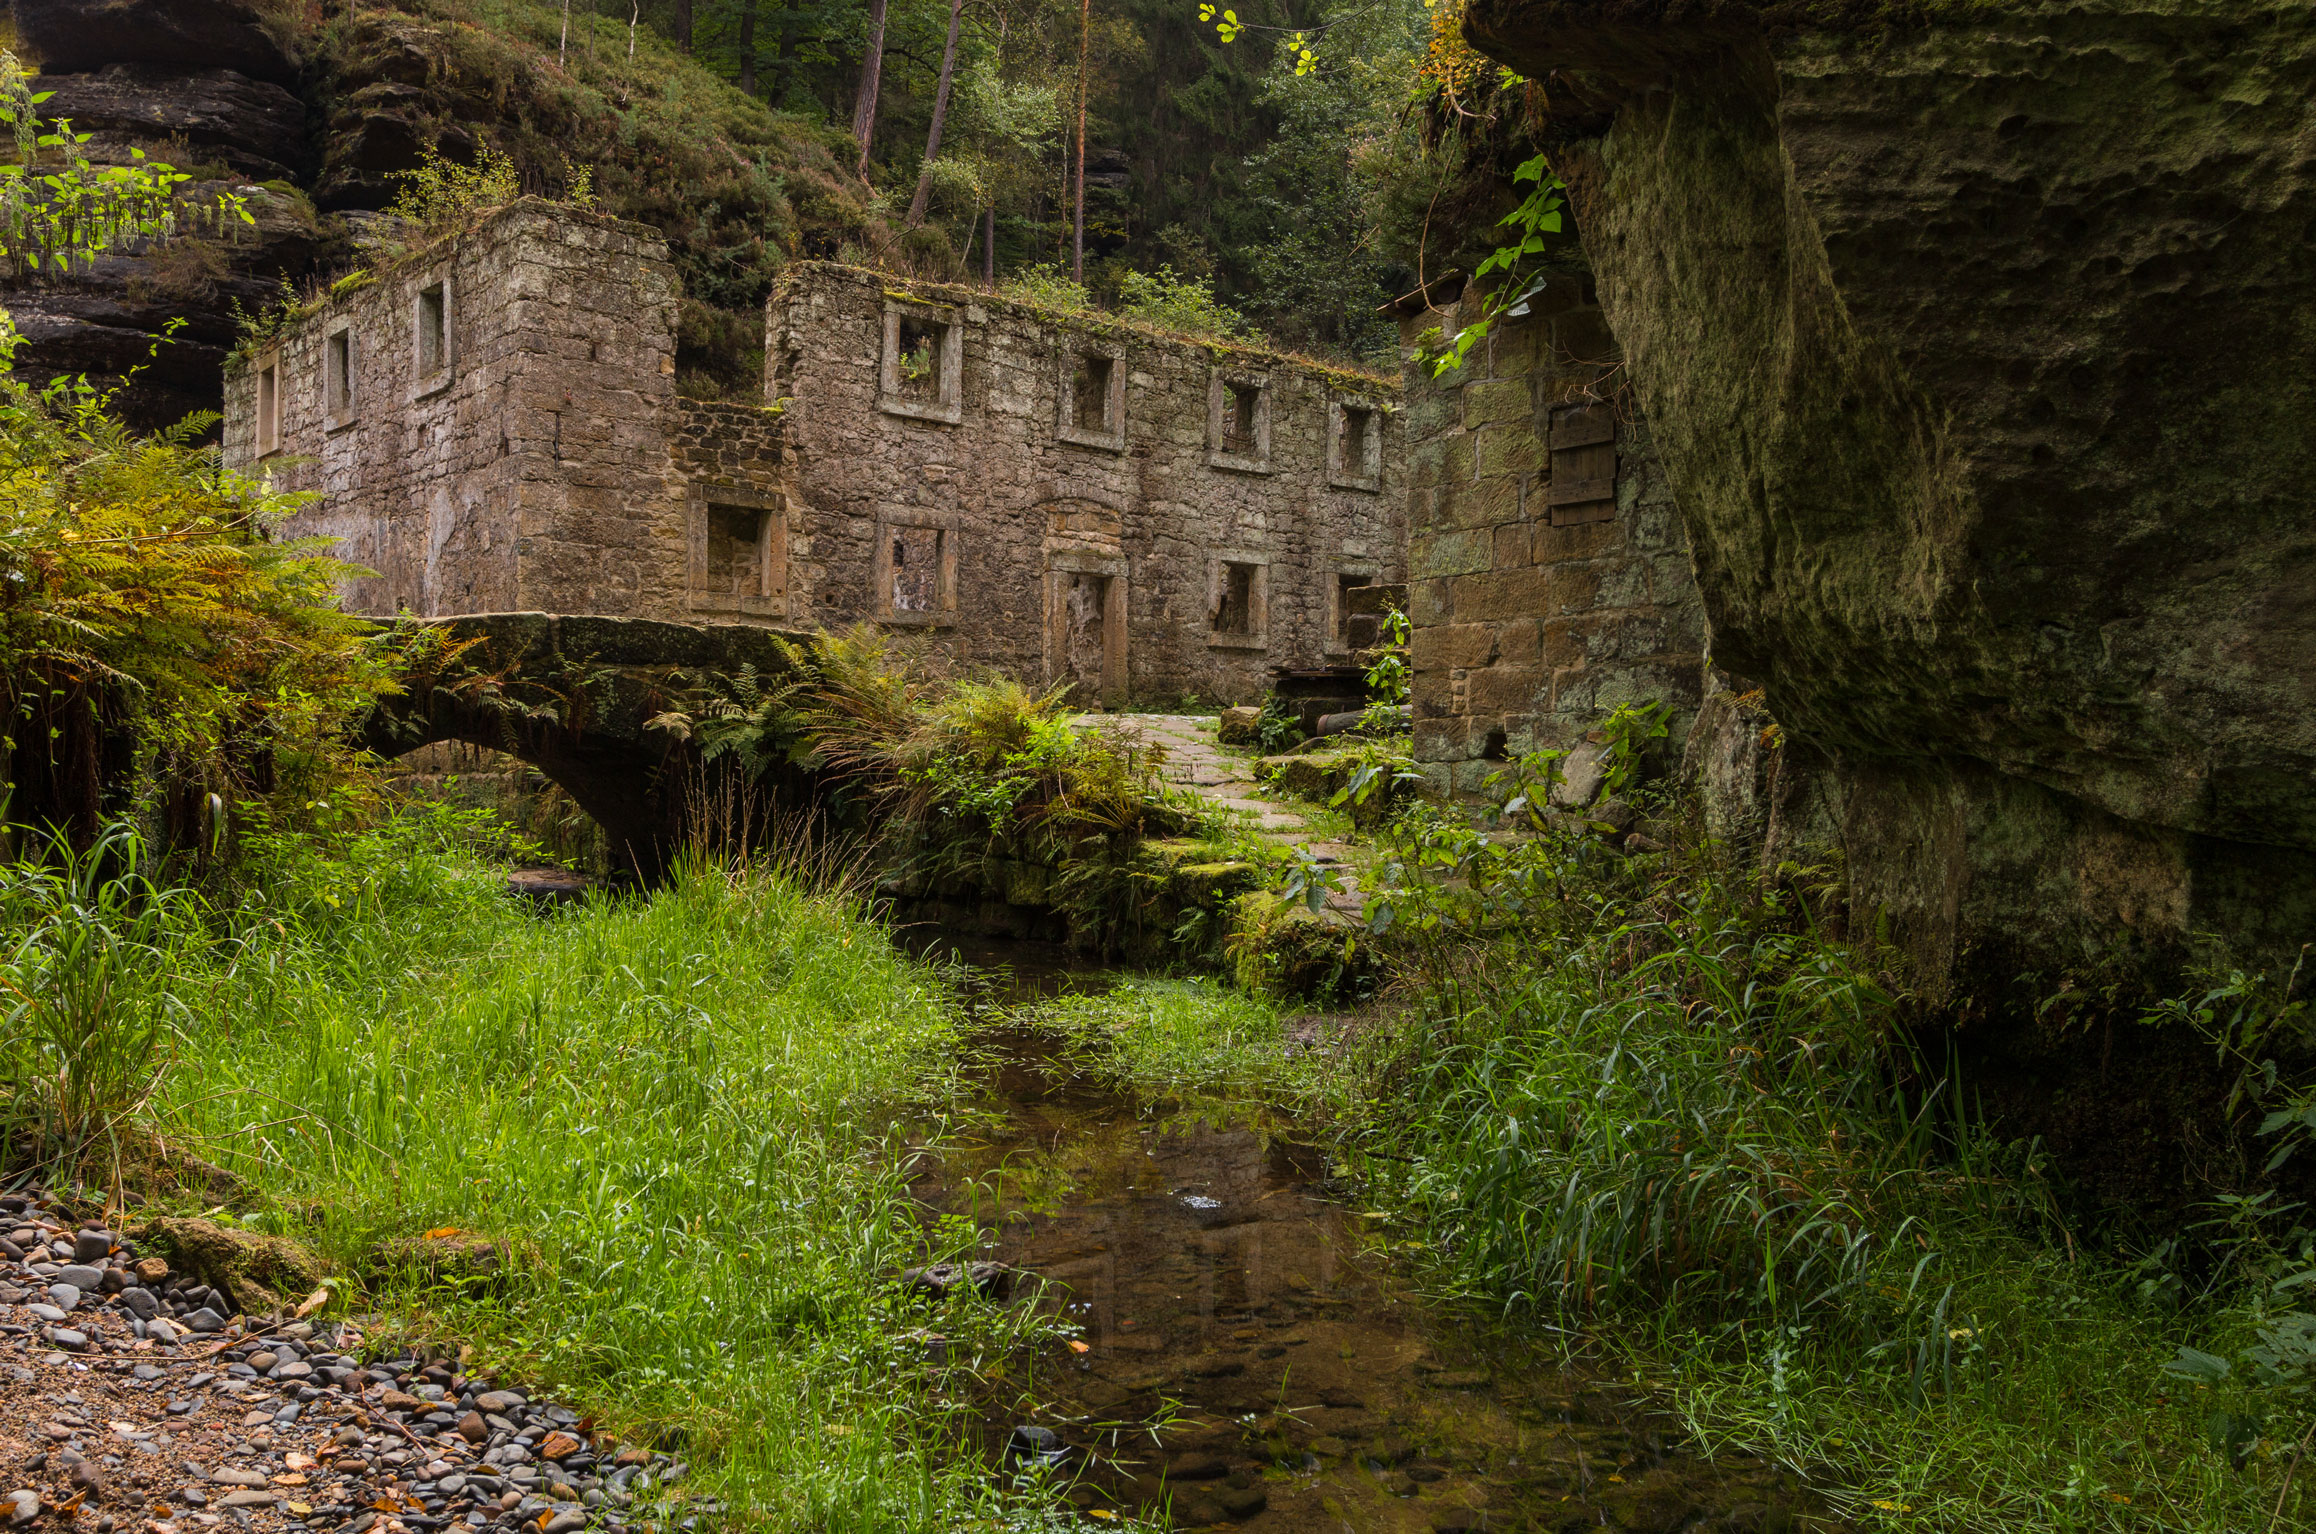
(136,1399)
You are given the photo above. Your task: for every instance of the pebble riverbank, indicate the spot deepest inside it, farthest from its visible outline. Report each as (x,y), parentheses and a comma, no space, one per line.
(136,1398)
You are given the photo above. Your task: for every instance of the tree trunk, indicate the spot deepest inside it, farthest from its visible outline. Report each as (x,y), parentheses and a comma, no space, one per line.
(683,24)
(1078,216)
(872,65)
(748,47)
(989,245)
(634,15)
(784,65)
(563,44)
(940,111)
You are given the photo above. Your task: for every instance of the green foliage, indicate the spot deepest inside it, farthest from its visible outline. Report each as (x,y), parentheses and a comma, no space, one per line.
(688,1122)
(1186,305)
(1048,287)
(1277,726)
(1537,215)
(146,596)
(58,211)
(443,194)
(88,1010)
(1651,1096)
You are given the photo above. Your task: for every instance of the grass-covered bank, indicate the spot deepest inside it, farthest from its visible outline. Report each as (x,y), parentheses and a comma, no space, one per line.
(683,1118)
(1650,1103)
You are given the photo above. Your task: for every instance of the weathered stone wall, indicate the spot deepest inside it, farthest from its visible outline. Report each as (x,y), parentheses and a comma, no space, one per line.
(1046,490)
(520,461)
(1549,577)
(1054,497)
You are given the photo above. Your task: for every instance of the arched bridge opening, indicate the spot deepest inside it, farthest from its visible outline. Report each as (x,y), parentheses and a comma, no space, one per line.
(574,697)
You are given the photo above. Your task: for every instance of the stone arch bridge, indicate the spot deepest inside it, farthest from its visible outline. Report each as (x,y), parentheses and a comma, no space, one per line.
(573,696)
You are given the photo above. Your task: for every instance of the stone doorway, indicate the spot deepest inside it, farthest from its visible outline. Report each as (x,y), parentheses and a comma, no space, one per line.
(1086,629)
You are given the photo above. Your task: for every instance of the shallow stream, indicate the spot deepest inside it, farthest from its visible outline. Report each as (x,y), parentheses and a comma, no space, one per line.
(1251,1360)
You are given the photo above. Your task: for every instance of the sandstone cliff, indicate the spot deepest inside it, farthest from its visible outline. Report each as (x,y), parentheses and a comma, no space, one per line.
(1977,339)
(310,110)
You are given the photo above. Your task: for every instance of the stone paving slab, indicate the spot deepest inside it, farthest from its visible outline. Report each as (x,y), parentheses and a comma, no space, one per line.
(1196,760)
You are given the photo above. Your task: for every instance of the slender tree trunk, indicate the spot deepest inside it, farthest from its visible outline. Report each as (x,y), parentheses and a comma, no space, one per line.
(748,46)
(683,24)
(872,65)
(940,111)
(1078,215)
(989,245)
(563,43)
(784,65)
(634,15)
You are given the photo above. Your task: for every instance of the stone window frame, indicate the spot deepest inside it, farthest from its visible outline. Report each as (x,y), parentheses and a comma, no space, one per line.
(265,383)
(1222,384)
(1331,638)
(944,613)
(948,405)
(1257,636)
(340,411)
(1367,475)
(423,382)
(1116,635)
(1066,426)
(771,597)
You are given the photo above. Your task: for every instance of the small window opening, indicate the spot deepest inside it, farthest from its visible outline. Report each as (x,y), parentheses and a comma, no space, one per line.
(1090,393)
(269,407)
(1344,586)
(736,551)
(338,372)
(916,568)
(433,330)
(1234,609)
(1351,442)
(1238,433)
(920,360)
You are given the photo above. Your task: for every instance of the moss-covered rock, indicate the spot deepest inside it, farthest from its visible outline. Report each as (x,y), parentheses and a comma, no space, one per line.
(1975,339)
(257,1273)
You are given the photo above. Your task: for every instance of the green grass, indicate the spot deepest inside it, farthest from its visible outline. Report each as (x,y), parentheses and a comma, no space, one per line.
(687,1115)
(1653,1107)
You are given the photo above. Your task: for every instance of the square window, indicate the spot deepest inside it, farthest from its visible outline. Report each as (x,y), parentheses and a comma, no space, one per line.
(920,361)
(1238,432)
(1239,423)
(431,323)
(923,369)
(1090,393)
(269,406)
(739,550)
(916,568)
(1355,448)
(736,550)
(338,376)
(1236,615)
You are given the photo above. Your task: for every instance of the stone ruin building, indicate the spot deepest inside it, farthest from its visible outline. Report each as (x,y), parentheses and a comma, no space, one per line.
(492,425)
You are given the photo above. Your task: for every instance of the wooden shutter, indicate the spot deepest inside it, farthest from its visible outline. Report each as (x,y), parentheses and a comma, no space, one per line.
(1582,483)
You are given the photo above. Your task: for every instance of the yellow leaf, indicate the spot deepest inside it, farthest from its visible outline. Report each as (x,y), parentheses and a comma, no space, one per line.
(1079,1347)
(442,1232)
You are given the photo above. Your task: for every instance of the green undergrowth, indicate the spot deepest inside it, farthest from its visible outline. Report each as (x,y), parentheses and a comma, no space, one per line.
(1655,1105)
(685,1119)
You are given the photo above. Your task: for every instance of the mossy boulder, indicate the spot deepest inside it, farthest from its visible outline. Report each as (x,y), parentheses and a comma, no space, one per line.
(257,1273)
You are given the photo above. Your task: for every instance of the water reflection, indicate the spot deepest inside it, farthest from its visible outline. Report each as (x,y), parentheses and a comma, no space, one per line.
(1231,1297)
